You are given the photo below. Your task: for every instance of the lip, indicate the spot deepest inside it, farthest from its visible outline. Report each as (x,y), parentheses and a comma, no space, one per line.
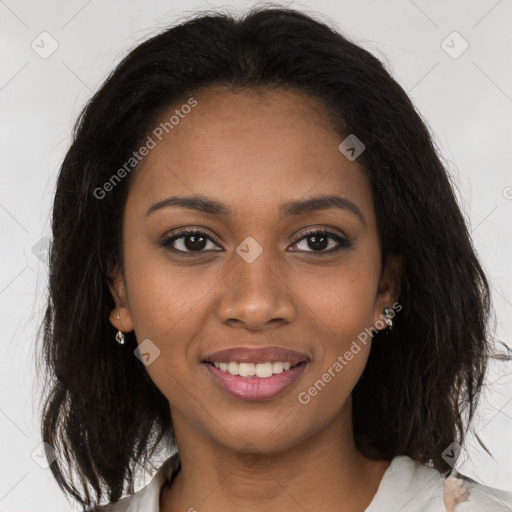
(257,355)
(255,388)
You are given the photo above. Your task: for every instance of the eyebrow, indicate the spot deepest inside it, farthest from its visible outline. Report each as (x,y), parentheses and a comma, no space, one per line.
(297,207)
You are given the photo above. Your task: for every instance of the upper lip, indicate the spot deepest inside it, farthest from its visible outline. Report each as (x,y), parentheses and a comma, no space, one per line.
(256,355)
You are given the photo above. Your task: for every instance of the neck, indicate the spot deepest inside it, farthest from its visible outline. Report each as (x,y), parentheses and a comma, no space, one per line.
(324,472)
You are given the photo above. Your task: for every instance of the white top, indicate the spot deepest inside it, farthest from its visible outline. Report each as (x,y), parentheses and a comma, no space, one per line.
(406,486)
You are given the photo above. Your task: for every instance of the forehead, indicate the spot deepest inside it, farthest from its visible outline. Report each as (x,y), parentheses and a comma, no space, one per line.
(249,148)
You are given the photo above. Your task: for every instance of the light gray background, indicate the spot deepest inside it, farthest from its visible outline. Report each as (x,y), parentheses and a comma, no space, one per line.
(467,102)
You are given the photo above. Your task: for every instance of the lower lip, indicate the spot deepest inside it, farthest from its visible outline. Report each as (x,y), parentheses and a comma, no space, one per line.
(255,388)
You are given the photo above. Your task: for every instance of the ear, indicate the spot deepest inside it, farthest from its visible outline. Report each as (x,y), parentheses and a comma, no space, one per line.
(120,316)
(389,287)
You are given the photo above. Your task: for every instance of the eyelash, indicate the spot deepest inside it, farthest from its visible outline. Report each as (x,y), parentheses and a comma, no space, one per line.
(343,243)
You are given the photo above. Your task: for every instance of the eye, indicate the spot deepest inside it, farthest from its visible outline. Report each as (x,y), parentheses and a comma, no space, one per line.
(194,241)
(188,241)
(318,241)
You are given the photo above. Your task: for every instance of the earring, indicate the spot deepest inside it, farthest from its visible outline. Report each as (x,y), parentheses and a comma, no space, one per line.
(388,318)
(120,338)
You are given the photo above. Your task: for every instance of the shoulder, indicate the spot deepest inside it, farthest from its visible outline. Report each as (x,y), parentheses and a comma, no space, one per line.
(412,486)
(146,499)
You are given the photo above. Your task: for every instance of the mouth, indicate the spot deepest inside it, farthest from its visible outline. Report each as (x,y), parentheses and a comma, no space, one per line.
(256,374)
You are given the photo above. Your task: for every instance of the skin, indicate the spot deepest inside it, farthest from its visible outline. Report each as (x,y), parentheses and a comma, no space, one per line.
(254,151)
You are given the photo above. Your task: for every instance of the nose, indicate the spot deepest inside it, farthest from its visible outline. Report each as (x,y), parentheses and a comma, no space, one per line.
(256,296)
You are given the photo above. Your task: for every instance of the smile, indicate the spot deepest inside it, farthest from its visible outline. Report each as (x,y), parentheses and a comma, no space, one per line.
(256,373)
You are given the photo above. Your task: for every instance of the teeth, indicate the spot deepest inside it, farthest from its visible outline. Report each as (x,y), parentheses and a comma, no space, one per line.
(233,367)
(246,369)
(263,370)
(260,370)
(277,367)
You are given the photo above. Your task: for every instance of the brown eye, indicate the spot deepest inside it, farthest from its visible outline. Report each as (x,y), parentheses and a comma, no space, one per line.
(319,241)
(188,241)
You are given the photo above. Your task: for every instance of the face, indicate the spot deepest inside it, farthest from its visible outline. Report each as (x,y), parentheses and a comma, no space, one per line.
(263,268)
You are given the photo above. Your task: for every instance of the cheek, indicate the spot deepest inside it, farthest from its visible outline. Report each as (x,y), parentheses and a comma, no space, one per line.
(164,298)
(340,303)
(166,306)
(342,353)
(341,299)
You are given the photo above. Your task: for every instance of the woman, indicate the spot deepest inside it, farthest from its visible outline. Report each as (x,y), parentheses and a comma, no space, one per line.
(259,264)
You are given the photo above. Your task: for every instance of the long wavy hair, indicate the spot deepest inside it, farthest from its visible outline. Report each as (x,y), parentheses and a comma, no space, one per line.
(419,390)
